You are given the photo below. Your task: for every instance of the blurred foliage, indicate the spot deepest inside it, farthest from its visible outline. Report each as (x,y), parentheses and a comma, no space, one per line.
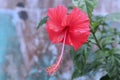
(42,21)
(86,5)
(113,17)
(103,48)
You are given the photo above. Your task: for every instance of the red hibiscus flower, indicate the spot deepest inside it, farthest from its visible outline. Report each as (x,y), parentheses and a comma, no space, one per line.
(67,28)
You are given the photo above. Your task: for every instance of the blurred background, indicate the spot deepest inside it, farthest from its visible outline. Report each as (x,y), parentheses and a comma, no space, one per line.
(25,52)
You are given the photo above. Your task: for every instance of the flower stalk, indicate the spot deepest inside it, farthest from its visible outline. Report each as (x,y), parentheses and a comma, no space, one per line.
(52,69)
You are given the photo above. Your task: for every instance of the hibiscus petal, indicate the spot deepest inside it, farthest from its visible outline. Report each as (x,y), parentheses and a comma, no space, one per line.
(68,40)
(57,14)
(78,39)
(54,27)
(78,20)
(79,30)
(55,36)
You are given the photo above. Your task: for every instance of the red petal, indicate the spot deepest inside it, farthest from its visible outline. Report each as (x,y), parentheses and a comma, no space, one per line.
(54,27)
(78,39)
(78,17)
(57,14)
(55,36)
(79,30)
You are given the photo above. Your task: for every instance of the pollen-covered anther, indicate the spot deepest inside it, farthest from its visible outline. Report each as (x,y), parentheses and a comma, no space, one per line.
(52,69)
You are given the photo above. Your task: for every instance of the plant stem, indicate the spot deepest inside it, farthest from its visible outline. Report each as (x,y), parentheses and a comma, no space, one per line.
(97,42)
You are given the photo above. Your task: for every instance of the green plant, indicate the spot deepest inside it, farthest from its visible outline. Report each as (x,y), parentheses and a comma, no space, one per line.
(102,50)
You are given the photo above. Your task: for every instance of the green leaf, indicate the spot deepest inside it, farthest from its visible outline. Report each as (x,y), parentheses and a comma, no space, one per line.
(42,21)
(76,73)
(107,40)
(90,5)
(101,54)
(113,64)
(80,60)
(86,5)
(110,61)
(96,22)
(113,17)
